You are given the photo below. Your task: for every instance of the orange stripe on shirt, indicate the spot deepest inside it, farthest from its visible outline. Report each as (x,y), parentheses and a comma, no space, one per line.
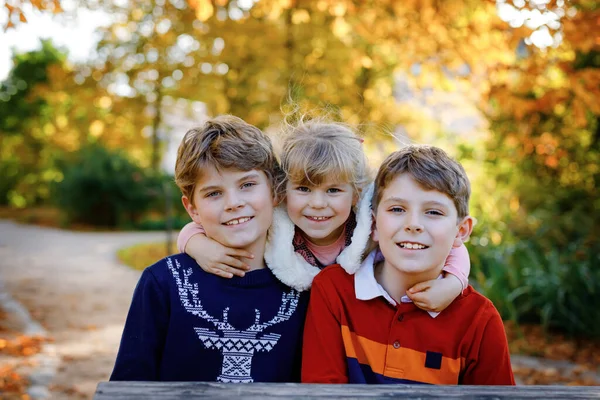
(400,363)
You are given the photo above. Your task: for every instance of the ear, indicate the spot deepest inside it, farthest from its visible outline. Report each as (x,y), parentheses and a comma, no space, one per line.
(465,227)
(191,209)
(374,232)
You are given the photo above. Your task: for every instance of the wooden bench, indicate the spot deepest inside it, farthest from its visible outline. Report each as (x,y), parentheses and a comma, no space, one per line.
(207,390)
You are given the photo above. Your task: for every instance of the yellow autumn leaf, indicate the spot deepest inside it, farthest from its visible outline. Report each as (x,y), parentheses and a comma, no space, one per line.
(204,10)
(340,27)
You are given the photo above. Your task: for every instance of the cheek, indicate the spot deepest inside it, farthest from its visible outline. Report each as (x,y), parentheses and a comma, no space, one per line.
(264,202)
(387,227)
(444,234)
(293,204)
(344,205)
(208,212)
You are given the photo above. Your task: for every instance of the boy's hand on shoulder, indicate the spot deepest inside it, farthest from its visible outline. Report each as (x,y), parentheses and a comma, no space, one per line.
(217,259)
(437,294)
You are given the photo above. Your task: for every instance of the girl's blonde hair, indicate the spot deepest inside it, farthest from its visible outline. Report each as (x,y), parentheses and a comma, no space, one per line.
(317,150)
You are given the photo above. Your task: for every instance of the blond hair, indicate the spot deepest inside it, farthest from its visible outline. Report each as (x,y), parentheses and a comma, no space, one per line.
(224,142)
(431,168)
(315,151)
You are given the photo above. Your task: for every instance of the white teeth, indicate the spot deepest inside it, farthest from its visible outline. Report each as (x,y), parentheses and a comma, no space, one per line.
(319,218)
(413,246)
(238,221)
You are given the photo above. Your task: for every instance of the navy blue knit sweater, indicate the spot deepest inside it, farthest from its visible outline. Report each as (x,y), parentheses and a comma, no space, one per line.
(187,325)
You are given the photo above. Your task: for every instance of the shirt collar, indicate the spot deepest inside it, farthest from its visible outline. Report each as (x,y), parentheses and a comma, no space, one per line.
(366,286)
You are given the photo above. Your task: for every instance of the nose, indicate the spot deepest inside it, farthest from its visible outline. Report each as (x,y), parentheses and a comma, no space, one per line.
(233,201)
(413,223)
(317,200)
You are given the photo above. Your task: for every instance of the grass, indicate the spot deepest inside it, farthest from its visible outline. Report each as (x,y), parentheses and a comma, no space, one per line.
(142,255)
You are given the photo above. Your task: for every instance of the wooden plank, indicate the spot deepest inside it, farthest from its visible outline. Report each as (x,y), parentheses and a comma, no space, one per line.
(205,390)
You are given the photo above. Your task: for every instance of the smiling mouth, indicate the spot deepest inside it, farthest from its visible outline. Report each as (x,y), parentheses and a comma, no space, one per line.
(412,246)
(237,221)
(317,219)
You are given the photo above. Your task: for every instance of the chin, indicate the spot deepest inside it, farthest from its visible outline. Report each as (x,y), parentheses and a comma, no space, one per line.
(237,241)
(410,267)
(240,244)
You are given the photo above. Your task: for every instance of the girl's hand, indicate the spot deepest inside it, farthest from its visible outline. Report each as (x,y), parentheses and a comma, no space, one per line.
(217,259)
(437,294)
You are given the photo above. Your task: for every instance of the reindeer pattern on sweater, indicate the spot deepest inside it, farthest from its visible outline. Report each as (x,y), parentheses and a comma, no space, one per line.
(187,325)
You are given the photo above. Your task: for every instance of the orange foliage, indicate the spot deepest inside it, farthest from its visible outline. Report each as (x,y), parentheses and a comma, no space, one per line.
(15,10)
(12,384)
(22,345)
(532,340)
(551,81)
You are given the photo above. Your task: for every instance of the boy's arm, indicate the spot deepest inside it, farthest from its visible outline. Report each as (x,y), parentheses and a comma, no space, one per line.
(437,294)
(489,363)
(144,334)
(323,353)
(210,255)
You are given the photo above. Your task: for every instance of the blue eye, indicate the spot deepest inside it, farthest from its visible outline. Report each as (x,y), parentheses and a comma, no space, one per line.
(212,194)
(304,189)
(248,185)
(396,209)
(435,212)
(333,190)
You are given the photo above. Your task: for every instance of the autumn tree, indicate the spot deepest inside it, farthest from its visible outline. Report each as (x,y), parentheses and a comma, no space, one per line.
(23,131)
(15,13)
(541,163)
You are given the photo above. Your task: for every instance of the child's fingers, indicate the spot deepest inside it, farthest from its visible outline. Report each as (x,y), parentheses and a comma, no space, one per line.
(421,300)
(417,297)
(423,305)
(229,270)
(239,253)
(419,287)
(234,263)
(220,272)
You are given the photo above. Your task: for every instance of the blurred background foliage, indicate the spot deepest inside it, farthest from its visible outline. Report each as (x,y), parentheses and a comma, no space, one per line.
(91,137)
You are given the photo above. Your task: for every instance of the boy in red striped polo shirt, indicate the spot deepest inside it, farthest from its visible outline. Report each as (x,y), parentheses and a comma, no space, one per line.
(363,328)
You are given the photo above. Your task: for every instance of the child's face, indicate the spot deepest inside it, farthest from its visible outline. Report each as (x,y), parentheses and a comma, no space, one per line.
(320,211)
(235,207)
(415,228)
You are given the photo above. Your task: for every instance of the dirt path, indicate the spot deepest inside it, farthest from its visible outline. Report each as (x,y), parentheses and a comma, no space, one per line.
(73,285)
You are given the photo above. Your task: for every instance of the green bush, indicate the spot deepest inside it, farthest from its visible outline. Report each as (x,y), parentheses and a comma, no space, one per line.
(103,187)
(558,288)
(11,175)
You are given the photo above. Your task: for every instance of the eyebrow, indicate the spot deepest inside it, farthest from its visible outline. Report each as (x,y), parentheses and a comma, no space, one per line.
(252,175)
(401,200)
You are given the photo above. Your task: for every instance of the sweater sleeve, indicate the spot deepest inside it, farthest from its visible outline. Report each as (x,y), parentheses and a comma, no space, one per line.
(186,233)
(144,334)
(489,363)
(458,264)
(323,353)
